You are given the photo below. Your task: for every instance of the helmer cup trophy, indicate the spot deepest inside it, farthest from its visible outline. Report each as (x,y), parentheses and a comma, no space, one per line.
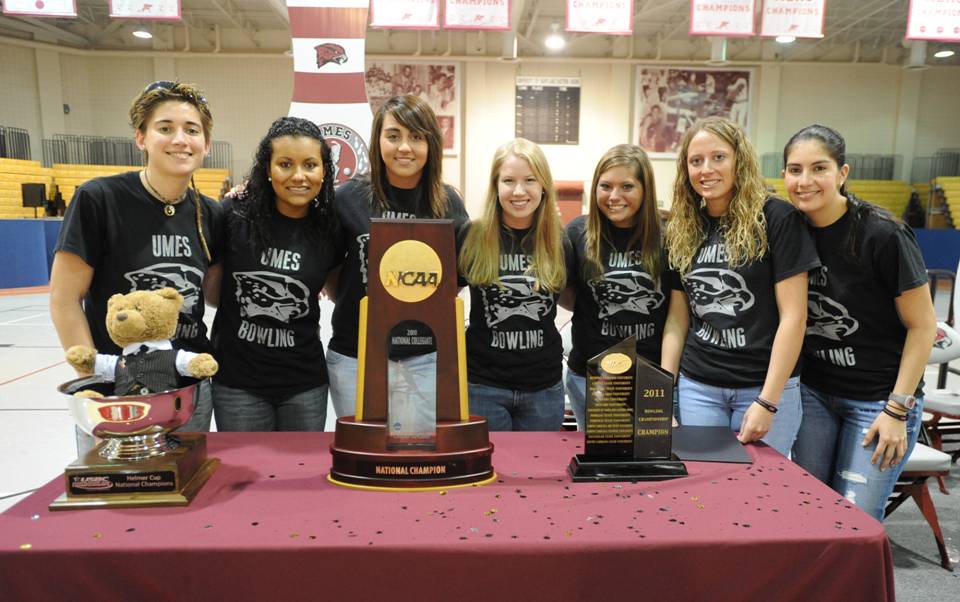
(132,403)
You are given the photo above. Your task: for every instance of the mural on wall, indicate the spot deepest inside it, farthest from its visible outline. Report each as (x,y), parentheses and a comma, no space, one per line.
(436,83)
(669,100)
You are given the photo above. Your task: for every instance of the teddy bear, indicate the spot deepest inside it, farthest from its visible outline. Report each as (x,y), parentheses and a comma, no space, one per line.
(142,324)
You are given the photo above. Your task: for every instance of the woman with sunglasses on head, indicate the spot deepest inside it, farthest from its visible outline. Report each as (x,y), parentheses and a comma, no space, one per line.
(405,182)
(515,259)
(281,243)
(622,285)
(143,230)
(743,258)
(869,332)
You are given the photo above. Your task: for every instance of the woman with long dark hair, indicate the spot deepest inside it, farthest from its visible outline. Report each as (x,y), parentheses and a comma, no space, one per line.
(282,241)
(869,332)
(143,230)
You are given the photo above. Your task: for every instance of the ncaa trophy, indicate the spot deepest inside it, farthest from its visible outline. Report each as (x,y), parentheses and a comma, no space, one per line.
(412,285)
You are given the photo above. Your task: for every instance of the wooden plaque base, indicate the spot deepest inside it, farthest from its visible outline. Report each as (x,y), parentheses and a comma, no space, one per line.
(462,456)
(169,480)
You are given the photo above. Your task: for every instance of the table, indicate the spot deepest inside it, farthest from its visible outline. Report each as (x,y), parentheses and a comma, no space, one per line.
(268,526)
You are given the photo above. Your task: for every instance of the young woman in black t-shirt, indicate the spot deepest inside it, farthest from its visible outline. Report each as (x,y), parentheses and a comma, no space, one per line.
(143,230)
(620,279)
(743,258)
(405,182)
(870,329)
(281,243)
(515,259)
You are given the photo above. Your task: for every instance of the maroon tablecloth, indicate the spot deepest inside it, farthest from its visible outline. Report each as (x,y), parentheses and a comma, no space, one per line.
(268,526)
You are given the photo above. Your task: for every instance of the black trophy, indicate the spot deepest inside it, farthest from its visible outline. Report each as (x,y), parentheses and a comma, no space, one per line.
(629,420)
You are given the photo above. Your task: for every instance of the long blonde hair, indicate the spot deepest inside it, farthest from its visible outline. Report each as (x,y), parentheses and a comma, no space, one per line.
(480,256)
(646,231)
(744,225)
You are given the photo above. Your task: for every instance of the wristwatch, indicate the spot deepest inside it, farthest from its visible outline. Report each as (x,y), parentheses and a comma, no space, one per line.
(907,401)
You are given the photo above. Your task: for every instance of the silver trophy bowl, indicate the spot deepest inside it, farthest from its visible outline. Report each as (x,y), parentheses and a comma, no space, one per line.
(134,427)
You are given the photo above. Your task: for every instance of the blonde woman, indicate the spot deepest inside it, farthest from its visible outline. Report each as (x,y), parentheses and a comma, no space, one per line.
(743,258)
(620,278)
(515,259)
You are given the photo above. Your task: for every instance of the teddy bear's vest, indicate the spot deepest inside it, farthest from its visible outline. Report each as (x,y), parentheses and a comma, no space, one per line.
(146,372)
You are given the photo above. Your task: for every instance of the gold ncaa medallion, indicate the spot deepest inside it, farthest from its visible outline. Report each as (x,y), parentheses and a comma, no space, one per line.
(410,271)
(616,363)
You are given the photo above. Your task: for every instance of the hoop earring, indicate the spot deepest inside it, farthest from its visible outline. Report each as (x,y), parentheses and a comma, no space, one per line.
(316,201)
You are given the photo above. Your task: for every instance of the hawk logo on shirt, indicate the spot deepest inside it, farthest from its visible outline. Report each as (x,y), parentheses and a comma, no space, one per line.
(330,53)
(272,295)
(828,319)
(717,291)
(626,290)
(514,296)
(186,279)
(362,241)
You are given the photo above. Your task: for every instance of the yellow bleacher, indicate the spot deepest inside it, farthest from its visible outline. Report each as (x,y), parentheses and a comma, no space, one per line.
(951,195)
(13,173)
(891,194)
(69,176)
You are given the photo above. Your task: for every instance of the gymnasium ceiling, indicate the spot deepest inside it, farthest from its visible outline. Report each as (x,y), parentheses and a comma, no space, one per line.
(867,31)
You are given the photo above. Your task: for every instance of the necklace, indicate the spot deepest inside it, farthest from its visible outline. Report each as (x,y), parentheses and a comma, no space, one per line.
(168,204)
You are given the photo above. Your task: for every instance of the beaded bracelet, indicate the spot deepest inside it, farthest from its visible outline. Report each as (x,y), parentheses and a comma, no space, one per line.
(766,405)
(892,414)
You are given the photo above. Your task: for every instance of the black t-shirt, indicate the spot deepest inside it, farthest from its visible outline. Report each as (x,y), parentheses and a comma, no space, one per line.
(354,210)
(733,311)
(854,334)
(512,340)
(266,334)
(121,231)
(624,301)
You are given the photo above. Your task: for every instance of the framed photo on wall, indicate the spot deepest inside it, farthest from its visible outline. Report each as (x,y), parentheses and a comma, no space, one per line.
(436,83)
(668,100)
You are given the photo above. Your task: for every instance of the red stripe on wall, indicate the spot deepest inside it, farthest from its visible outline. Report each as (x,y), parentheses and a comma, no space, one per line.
(327,22)
(329,88)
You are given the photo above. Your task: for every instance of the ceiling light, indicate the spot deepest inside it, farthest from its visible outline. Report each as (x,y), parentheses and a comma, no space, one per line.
(142,33)
(943,53)
(786,39)
(555,41)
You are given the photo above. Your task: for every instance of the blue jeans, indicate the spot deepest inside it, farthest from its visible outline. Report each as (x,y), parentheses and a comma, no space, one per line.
(239,410)
(412,384)
(198,423)
(706,405)
(829,447)
(511,410)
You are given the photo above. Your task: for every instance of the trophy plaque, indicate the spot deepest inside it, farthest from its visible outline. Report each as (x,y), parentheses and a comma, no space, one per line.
(138,463)
(629,420)
(411,291)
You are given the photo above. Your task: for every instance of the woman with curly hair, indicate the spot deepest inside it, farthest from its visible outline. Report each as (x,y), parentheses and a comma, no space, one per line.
(282,241)
(515,259)
(871,329)
(143,229)
(620,278)
(743,258)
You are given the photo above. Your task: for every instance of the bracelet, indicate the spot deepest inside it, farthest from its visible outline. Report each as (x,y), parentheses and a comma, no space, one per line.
(892,414)
(766,405)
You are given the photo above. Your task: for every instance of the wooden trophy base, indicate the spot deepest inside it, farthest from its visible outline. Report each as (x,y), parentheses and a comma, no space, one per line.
(591,469)
(172,479)
(361,459)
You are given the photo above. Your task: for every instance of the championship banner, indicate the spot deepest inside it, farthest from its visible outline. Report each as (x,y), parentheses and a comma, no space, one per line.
(729,18)
(138,9)
(611,17)
(41,8)
(405,14)
(934,20)
(797,18)
(470,14)
(328,38)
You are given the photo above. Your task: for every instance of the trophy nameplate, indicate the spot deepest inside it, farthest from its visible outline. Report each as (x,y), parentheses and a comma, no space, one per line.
(629,418)
(138,463)
(412,278)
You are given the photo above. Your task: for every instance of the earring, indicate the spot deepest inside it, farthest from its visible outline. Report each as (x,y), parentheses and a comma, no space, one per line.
(316,201)
(269,179)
